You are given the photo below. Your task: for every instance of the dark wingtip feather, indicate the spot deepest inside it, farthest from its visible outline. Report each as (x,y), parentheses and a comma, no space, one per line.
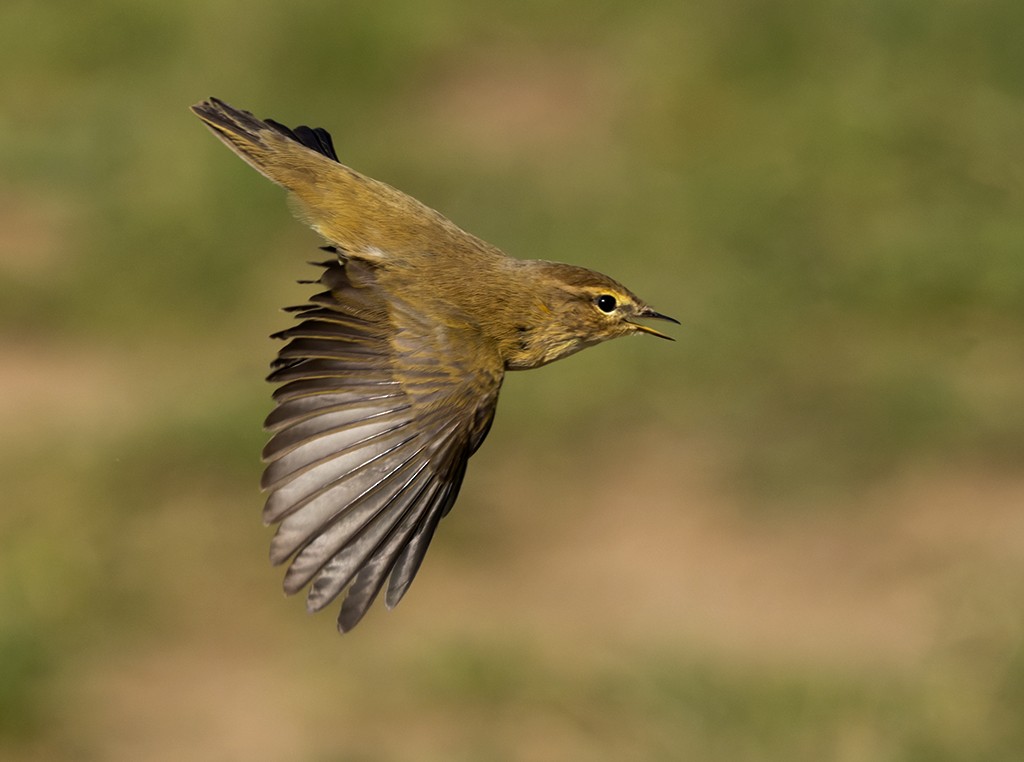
(316,138)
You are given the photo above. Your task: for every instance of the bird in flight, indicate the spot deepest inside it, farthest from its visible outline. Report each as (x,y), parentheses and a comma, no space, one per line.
(389,379)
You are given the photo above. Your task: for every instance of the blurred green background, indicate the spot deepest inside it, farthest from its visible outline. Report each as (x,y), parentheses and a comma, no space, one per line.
(795,534)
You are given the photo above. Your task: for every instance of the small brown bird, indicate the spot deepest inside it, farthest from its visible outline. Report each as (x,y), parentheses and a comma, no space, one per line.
(389,382)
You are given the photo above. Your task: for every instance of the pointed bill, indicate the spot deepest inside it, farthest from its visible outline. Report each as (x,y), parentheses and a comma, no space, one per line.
(647,312)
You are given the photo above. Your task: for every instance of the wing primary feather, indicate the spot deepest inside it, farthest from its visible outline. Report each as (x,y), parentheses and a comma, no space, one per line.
(348,320)
(329,330)
(408,563)
(302,408)
(318,527)
(372,576)
(280,473)
(327,539)
(330,348)
(305,432)
(364,548)
(297,370)
(404,569)
(282,501)
(317,385)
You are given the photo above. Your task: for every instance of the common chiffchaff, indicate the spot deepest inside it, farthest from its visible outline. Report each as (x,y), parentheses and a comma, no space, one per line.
(389,381)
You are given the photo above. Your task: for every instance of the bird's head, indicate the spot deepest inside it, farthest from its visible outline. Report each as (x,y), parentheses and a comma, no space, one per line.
(575,308)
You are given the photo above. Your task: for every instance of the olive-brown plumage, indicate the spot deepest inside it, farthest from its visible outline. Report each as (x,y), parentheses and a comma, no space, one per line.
(389,381)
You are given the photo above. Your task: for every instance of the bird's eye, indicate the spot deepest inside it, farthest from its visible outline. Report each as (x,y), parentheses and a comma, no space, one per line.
(606,303)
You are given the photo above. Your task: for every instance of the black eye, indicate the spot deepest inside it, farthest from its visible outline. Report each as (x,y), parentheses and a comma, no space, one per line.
(606,303)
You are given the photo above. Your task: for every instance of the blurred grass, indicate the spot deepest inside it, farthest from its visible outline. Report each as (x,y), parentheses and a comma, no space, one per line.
(828,195)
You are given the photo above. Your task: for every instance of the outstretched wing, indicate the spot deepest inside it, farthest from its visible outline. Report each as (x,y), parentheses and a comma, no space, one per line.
(378,410)
(344,206)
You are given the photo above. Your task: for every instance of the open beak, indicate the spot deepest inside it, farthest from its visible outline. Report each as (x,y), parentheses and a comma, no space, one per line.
(647,312)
